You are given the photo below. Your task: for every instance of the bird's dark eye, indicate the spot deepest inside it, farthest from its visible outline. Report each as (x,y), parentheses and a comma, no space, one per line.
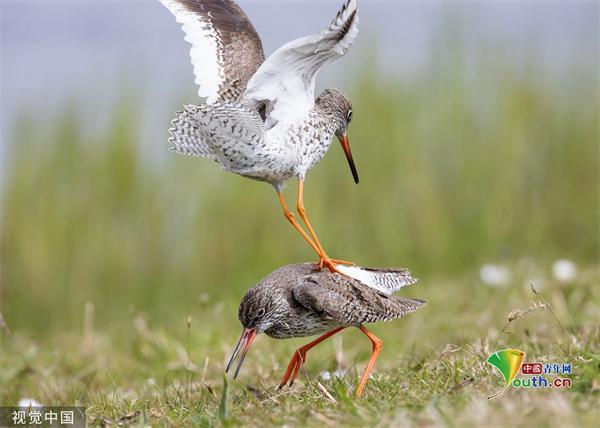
(260,313)
(349,116)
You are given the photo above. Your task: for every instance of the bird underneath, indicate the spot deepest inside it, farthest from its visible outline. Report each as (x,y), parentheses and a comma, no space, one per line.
(297,301)
(261,119)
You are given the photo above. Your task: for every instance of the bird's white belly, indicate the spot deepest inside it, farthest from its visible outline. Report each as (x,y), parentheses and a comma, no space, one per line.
(271,164)
(306,142)
(273,160)
(287,151)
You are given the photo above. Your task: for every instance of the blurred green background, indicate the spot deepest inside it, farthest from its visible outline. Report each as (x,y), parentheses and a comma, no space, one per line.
(457,168)
(481,158)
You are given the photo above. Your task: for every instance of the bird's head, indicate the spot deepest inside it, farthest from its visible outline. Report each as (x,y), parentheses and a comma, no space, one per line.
(258,311)
(336,104)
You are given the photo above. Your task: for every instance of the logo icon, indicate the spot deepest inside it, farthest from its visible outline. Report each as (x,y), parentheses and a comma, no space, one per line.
(507,362)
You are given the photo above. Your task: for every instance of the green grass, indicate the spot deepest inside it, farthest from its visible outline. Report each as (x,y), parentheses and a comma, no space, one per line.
(432,369)
(104,258)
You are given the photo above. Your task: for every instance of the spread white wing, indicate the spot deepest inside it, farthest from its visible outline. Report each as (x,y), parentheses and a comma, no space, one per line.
(226,50)
(285,82)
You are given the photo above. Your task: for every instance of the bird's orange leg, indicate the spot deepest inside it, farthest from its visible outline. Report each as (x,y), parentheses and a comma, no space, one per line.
(299,357)
(325,260)
(290,216)
(377,344)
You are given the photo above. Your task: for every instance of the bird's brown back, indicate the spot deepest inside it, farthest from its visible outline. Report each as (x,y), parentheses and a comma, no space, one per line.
(296,300)
(348,301)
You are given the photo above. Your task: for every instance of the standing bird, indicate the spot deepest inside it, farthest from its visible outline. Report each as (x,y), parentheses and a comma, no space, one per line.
(261,119)
(296,301)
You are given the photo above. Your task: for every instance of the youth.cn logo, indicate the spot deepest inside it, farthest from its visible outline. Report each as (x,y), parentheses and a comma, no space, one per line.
(507,362)
(510,361)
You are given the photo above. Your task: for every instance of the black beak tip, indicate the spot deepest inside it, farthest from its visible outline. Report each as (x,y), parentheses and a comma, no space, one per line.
(354,172)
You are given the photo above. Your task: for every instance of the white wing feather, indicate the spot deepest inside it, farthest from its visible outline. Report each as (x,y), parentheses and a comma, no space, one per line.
(286,80)
(385,281)
(204,53)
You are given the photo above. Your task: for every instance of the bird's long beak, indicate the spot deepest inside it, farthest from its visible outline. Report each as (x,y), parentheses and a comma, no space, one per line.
(243,344)
(346,146)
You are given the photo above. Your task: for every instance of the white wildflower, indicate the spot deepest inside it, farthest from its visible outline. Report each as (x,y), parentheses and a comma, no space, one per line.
(494,275)
(564,270)
(28,402)
(327,375)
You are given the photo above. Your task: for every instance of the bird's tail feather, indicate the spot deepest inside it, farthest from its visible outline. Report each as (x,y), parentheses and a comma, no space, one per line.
(186,138)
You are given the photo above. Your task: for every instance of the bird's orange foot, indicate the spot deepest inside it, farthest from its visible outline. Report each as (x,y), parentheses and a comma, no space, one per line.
(332,264)
(293,368)
(343,262)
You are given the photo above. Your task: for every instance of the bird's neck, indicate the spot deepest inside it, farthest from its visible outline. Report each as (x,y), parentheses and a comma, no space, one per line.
(325,118)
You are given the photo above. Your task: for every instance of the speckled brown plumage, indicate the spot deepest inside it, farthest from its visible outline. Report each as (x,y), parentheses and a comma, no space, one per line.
(239,46)
(297,301)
